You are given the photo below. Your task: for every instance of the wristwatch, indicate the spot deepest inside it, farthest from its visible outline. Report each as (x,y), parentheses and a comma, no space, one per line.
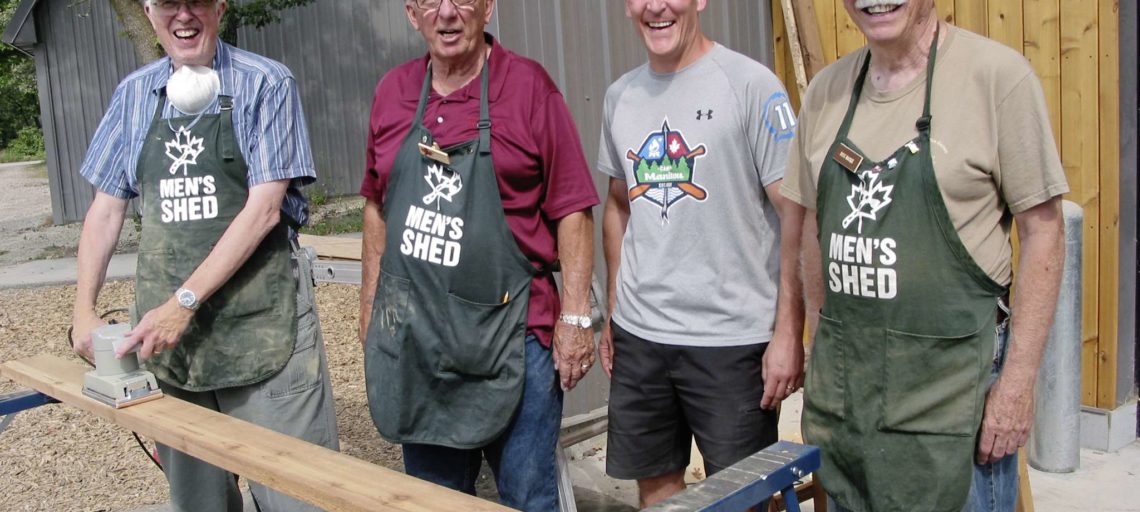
(187,299)
(579,321)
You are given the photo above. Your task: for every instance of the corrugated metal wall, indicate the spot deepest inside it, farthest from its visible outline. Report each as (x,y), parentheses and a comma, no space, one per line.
(338,49)
(584,45)
(79,61)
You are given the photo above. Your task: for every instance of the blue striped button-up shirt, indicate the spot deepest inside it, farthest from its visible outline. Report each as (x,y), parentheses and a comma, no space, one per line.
(268,121)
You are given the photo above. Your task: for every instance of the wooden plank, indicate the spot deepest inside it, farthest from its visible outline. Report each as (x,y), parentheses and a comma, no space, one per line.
(825,17)
(1080,148)
(810,45)
(782,51)
(1005,23)
(1024,490)
(1109,56)
(333,246)
(946,11)
(971,15)
(1042,46)
(791,28)
(300,469)
(848,38)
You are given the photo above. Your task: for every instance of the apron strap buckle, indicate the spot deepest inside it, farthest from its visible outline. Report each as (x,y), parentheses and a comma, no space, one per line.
(483,124)
(923,124)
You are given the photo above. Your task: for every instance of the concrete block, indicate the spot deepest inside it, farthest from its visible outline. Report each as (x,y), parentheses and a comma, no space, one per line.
(1108,430)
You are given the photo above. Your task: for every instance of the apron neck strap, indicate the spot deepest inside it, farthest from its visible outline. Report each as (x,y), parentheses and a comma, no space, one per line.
(923,123)
(226,134)
(484,123)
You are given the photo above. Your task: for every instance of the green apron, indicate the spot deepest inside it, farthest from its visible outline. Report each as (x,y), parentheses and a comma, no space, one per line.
(896,385)
(193,183)
(444,358)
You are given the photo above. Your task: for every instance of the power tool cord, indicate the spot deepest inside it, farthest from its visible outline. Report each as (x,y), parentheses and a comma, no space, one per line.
(71,343)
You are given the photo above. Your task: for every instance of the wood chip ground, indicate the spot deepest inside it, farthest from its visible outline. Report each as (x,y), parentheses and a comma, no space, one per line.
(60,459)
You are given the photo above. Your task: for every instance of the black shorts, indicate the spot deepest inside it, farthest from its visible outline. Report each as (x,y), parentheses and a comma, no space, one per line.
(661,396)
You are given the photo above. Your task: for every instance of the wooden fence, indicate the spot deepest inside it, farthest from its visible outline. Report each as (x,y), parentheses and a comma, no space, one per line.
(1074,47)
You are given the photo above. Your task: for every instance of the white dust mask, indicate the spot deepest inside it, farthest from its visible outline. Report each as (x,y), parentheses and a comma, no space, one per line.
(193,88)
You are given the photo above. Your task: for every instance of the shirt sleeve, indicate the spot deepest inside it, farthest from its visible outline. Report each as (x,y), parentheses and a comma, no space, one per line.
(569,187)
(106,163)
(1030,171)
(770,125)
(278,143)
(609,161)
(376,169)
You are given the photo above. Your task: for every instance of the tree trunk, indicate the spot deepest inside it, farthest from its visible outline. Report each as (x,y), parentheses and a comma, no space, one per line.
(138,29)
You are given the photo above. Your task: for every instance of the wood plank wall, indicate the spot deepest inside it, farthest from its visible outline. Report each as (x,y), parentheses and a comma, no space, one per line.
(1074,47)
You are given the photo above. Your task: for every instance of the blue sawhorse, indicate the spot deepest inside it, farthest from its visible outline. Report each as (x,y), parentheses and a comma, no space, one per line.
(773,470)
(12,403)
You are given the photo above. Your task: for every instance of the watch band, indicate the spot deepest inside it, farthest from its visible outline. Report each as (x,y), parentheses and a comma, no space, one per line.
(579,321)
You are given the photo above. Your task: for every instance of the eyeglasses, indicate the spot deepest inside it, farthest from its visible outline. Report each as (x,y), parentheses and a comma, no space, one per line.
(171,7)
(428,5)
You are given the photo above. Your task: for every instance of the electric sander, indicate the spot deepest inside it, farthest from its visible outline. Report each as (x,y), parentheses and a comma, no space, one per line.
(117,382)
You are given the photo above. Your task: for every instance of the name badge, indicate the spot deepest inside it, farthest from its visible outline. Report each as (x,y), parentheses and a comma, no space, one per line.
(847,157)
(433,152)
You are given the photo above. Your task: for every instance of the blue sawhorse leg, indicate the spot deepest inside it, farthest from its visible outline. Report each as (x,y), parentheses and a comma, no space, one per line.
(12,403)
(754,480)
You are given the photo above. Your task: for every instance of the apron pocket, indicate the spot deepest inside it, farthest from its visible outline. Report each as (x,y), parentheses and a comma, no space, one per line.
(931,383)
(389,314)
(480,335)
(253,289)
(827,372)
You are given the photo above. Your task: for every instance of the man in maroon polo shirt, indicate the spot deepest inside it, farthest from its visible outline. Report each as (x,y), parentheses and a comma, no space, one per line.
(476,185)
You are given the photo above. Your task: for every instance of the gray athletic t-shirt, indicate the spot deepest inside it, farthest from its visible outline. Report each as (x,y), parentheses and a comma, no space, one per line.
(700,257)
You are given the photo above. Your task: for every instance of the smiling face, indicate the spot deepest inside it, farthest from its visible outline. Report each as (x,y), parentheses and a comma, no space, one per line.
(452,33)
(187,31)
(891,22)
(671,31)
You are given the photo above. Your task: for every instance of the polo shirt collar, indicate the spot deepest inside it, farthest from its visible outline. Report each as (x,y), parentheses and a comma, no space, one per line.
(497,66)
(223,64)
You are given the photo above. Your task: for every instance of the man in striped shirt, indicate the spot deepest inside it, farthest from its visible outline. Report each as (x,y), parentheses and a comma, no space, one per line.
(213,140)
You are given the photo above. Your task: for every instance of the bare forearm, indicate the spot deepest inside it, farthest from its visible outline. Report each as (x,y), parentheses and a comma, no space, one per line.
(1041,231)
(261,213)
(790,302)
(576,254)
(812,271)
(615,218)
(97,243)
(371,250)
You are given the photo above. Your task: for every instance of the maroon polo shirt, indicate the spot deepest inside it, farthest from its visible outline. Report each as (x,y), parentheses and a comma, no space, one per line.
(539,164)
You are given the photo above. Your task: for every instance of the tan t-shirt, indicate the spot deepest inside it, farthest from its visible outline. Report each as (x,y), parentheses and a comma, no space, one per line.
(992,144)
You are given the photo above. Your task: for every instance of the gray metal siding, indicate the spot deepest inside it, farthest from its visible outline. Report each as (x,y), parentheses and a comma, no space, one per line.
(79,60)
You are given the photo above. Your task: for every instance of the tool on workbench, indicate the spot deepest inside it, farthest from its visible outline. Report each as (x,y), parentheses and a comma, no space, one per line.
(117,381)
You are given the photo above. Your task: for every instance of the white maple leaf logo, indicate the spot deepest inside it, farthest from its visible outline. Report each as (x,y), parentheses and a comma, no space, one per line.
(444,185)
(184,150)
(867,198)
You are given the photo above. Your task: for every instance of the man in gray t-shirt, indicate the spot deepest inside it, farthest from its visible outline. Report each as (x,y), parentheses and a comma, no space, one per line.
(705,331)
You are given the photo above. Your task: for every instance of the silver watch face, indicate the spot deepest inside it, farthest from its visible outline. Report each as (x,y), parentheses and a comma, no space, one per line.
(187,299)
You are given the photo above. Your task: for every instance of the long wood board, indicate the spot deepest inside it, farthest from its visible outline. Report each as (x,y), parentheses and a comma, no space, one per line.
(308,472)
(333,246)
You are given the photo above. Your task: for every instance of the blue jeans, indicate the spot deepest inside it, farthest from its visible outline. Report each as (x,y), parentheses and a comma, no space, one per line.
(994,485)
(522,458)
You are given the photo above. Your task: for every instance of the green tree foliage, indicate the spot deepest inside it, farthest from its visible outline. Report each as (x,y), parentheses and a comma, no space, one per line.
(254,13)
(19,105)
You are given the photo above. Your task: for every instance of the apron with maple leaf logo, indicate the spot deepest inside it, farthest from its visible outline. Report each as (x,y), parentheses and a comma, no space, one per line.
(896,385)
(193,183)
(444,357)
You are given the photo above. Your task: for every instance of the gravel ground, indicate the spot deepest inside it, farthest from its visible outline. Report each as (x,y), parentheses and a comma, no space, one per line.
(26,228)
(59,458)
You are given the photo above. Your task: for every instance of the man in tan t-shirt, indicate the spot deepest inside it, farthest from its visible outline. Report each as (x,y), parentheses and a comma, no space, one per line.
(981,156)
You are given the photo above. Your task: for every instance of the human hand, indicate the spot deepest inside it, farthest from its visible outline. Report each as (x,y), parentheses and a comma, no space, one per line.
(606,349)
(573,352)
(160,329)
(82,323)
(1007,419)
(782,371)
